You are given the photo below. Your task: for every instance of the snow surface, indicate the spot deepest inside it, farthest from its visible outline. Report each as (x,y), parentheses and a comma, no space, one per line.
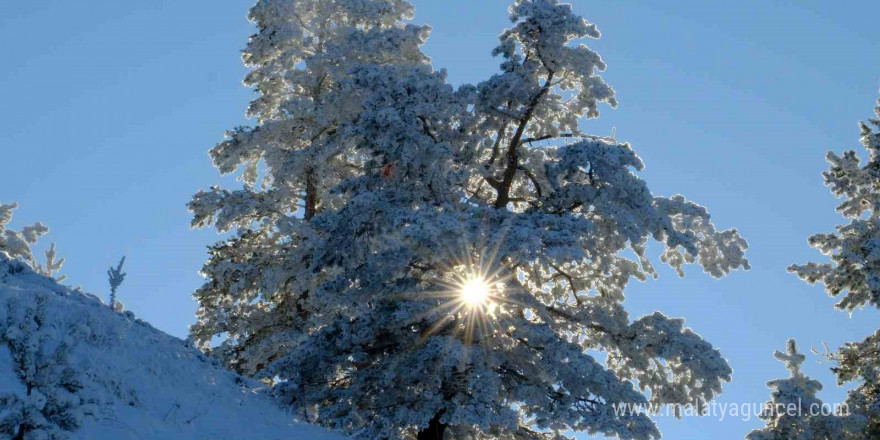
(149,385)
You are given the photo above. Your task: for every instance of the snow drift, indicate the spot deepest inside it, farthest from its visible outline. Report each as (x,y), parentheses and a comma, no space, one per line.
(141,383)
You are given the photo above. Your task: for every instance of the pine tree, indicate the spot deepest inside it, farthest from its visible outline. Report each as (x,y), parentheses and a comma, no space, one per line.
(115,277)
(425,261)
(854,249)
(794,412)
(301,61)
(17,244)
(49,406)
(859,362)
(854,270)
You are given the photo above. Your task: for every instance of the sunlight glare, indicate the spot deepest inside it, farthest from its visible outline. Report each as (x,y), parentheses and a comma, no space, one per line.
(475,292)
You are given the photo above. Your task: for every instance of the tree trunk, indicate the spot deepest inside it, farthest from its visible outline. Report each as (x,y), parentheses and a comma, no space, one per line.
(311,195)
(434,431)
(22,430)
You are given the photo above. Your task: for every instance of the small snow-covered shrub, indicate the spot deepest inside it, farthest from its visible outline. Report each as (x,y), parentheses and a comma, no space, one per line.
(17,244)
(49,404)
(117,306)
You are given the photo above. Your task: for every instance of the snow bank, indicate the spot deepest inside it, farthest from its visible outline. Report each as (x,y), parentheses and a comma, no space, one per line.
(149,385)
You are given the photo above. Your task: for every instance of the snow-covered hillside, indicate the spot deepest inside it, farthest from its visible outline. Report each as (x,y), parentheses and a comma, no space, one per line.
(145,383)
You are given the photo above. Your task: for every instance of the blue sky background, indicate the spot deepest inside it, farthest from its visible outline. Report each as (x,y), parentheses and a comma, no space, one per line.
(107,110)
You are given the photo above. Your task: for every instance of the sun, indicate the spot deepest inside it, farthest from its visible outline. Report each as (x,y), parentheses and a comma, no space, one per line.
(475,291)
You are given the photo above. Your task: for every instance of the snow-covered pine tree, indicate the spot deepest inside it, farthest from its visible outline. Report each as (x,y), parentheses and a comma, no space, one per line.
(859,362)
(17,244)
(794,412)
(115,276)
(301,62)
(468,252)
(854,270)
(52,265)
(49,405)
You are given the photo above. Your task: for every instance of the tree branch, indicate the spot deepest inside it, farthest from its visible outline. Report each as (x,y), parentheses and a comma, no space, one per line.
(568,277)
(428,130)
(549,136)
(497,145)
(534,180)
(512,154)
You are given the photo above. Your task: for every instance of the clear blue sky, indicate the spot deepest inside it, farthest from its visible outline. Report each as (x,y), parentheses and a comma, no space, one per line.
(107,110)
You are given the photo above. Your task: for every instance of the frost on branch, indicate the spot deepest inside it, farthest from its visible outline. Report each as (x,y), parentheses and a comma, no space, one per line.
(384,184)
(17,244)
